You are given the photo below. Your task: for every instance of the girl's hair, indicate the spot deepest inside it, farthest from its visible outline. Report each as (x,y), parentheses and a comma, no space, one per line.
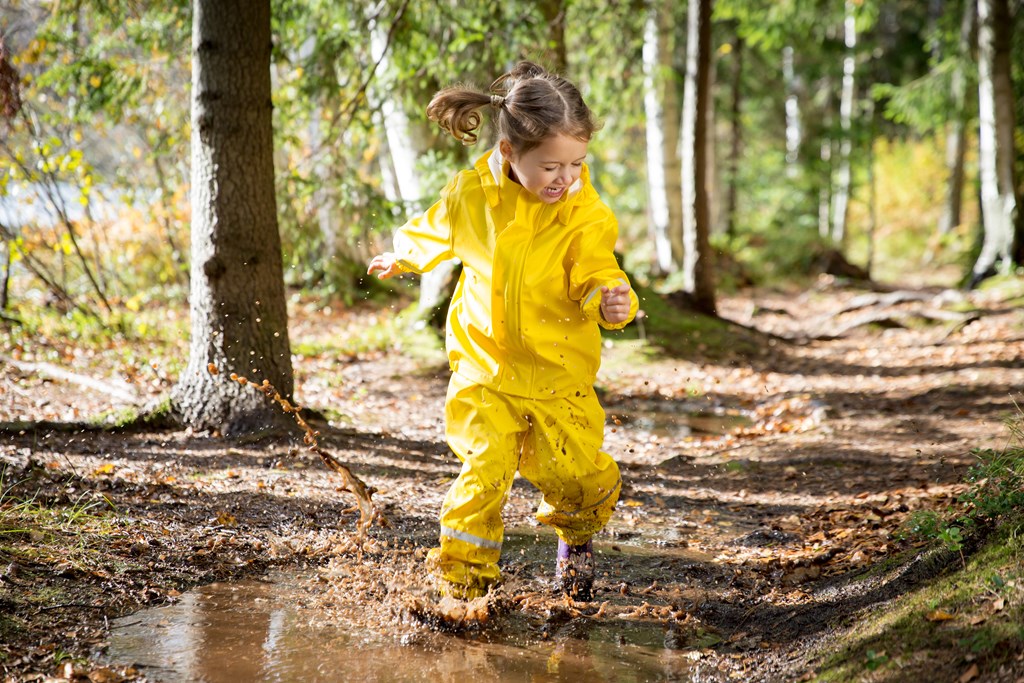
(530,105)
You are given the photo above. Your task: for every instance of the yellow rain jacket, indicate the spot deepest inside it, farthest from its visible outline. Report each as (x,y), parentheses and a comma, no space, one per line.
(524,346)
(522,318)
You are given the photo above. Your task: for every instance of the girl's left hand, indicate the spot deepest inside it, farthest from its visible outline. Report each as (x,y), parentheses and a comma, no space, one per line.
(615,303)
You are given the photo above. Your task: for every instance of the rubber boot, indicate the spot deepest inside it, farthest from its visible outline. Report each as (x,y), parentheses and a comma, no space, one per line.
(574,570)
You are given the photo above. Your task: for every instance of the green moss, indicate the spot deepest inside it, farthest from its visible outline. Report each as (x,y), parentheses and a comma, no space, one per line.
(158,416)
(911,638)
(681,331)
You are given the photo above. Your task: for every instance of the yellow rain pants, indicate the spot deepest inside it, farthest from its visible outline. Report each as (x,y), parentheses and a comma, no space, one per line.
(554,443)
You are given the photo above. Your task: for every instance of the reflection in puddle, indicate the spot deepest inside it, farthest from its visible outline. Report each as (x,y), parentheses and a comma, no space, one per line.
(260,631)
(677,420)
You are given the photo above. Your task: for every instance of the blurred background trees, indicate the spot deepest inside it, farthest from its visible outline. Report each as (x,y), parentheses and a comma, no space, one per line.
(864,136)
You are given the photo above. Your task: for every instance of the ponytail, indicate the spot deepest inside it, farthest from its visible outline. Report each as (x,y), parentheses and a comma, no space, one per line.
(456,110)
(530,105)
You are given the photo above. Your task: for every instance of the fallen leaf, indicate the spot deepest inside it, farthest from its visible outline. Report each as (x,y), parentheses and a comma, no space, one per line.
(103,675)
(939,615)
(226,519)
(970,674)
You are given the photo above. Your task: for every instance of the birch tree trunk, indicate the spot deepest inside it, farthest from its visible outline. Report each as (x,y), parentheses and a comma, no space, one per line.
(398,165)
(995,139)
(825,192)
(794,126)
(698,273)
(955,138)
(841,192)
(661,106)
(239,320)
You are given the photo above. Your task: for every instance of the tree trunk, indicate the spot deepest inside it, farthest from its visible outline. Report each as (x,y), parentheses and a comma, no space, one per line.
(794,126)
(825,191)
(955,142)
(735,138)
(554,16)
(698,273)
(711,178)
(402,180)
(995,137)
(872,192)
(238,312)
(844,177)
(661,106)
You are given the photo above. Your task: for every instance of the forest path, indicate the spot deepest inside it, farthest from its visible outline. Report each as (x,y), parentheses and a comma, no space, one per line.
(762,500)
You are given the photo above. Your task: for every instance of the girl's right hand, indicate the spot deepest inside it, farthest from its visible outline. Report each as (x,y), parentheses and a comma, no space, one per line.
(386,265)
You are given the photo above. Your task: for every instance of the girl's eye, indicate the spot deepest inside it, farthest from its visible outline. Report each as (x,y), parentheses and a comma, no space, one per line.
(577,164)
(551,170)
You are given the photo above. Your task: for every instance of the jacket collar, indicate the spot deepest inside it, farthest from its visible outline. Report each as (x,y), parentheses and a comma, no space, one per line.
(493,171)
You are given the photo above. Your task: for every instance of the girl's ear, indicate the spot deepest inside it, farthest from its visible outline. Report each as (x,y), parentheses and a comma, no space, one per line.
(505,147)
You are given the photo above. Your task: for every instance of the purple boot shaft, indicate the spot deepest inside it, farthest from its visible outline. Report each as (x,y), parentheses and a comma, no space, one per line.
(574,570)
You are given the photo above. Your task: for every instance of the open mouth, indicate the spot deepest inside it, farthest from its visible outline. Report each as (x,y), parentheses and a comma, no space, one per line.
(553,192)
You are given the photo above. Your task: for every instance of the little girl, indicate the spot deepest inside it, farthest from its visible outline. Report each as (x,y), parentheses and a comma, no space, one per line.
(538,279)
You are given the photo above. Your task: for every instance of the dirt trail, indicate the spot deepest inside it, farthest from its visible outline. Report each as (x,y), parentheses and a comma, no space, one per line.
(743,544)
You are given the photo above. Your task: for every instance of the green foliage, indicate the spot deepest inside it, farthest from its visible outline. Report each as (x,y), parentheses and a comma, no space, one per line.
(99,149)
(874,660)
(390,331)
(24,513)
(925,104)
(996,492)
(107,118)
(906,634)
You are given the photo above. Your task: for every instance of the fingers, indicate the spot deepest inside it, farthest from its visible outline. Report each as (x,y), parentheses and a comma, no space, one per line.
(385,265)
(616,295)
(615,303)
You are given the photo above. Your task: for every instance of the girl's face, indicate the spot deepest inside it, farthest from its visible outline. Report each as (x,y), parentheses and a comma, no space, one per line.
(547,171)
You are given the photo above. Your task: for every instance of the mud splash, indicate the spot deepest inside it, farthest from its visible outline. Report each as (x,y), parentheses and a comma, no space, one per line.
(276,630)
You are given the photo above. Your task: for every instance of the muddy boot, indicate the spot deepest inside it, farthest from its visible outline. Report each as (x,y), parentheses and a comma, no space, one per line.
(574,570)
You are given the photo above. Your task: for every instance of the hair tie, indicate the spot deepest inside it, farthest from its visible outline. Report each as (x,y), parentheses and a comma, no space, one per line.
(497,101)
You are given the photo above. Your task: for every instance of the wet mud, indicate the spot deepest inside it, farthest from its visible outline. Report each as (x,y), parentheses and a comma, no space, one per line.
(762,505)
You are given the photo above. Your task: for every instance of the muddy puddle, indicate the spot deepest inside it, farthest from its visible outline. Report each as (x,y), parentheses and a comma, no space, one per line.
(675,420)
(270,630)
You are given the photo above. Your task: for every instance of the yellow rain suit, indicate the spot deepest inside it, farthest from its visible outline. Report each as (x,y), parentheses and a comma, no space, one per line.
(524,347)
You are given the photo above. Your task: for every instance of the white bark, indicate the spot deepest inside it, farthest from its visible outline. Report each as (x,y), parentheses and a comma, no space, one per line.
(399,168)
(698,276)
(825,193)
(794,126)
(662,116)
(841,195)
(995,146)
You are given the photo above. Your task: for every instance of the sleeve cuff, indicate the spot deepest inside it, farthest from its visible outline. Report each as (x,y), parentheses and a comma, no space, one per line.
(592,306)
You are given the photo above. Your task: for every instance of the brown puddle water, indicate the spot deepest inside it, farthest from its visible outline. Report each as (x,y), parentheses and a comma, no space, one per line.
(261,631)
(676,419)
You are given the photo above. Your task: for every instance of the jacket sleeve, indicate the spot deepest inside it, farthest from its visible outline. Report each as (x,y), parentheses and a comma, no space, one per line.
(594,266)
(426,240)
